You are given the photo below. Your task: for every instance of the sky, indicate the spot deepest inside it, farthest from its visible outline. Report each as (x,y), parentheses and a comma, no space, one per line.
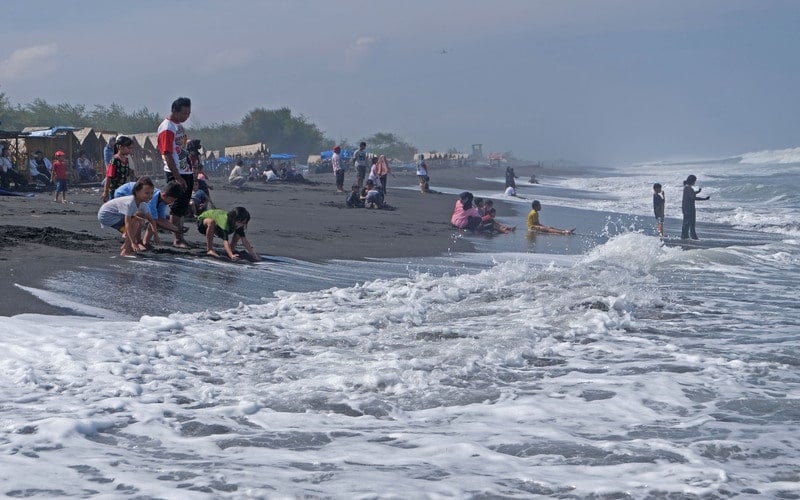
(596,82)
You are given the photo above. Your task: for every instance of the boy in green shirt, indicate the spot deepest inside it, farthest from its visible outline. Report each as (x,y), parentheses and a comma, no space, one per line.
(223,224)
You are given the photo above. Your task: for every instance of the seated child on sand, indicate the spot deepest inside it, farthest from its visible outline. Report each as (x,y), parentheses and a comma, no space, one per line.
(354,198)
(223,224)
(373,196)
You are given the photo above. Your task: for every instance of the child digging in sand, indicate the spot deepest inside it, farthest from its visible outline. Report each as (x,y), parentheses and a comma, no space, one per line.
(129,215)
(224,224)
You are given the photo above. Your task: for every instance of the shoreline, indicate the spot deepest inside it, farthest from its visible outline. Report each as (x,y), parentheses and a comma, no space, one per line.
(305,221)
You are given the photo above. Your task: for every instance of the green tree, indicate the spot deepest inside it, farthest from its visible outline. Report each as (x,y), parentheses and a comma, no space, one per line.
(384,143)
(281,131)
(115,117)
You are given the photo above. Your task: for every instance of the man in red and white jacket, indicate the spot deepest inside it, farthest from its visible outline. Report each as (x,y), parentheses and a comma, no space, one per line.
(171,141)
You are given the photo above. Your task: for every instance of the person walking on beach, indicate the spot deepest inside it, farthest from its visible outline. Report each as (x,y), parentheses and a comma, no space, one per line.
(361,162)
(688,208)
(658,207)
(171,140)
(59,176)
(118,171)
(422,175)
(338,168)
(535,225)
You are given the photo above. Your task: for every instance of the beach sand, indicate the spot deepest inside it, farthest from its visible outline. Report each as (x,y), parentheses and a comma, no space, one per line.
(306,221)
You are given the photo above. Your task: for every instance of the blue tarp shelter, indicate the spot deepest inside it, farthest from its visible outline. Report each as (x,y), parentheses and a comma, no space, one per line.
(282,156)
(345,154)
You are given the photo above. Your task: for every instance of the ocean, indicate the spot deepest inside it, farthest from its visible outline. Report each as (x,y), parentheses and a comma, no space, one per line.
(609,364)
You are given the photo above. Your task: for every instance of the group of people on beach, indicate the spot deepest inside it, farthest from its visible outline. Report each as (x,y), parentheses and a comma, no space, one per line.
(378,165)
(51,175)
(138,210)
(477,215)
(690,196)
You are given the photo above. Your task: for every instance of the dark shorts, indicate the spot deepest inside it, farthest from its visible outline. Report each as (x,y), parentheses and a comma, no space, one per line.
(218,232)
(181,206)
(61,186)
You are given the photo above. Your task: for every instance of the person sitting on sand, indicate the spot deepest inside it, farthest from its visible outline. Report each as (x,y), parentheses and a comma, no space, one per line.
(40,168)
(490,224)
(465,214)
(223,224)
(236,177)
(8,173)
(488,221)
(128,215)
(354,198)
(373,196)
(535,225)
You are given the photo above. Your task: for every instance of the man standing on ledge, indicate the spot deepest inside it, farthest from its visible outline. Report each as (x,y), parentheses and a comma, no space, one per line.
(171,140)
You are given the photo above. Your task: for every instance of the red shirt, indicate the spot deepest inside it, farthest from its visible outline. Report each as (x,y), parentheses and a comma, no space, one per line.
(60,170)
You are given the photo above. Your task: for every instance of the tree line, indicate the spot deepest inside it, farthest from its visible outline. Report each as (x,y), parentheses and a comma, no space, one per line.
(280,129)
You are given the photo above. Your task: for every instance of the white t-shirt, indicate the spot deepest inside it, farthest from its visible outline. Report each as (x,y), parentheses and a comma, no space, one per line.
(114,209)
(171,137)
(510,191)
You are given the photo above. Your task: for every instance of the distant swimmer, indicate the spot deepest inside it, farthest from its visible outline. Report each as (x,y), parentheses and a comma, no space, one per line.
(534,225)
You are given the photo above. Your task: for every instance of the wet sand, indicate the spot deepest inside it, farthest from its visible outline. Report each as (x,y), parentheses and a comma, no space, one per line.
(306,221)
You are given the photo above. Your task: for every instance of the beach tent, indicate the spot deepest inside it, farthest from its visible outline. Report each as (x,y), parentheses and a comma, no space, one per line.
(224,160)
(282,156)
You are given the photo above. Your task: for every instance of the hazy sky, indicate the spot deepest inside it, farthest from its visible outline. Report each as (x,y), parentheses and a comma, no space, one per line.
(593,81)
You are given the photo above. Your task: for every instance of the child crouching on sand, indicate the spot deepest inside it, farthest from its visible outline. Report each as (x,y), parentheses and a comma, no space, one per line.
(129,215)
(223,224)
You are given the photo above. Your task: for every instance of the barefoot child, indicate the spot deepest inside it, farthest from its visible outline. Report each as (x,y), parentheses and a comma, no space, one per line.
(534,225)
(223,224)
(59,176)
(129,215)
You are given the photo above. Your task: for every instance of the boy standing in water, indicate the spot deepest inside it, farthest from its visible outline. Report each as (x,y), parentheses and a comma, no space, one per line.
(220,223)
(658,207)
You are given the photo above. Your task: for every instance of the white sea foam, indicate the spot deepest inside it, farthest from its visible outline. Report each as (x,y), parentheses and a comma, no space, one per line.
(636,369)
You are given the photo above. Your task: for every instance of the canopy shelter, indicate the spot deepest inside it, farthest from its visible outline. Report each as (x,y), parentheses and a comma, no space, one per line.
(282,156)
(345,154)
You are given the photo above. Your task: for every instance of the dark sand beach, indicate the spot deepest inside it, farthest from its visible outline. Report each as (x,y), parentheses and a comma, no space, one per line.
(306,221)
